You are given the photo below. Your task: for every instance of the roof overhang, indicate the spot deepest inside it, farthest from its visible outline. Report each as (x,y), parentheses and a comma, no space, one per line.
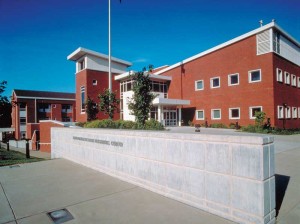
(127,75)
(170,102)
(80,52)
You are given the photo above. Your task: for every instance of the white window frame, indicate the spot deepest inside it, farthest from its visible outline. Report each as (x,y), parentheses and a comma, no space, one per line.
(287,78)
(299,112)
(280,112)
(212,114)
(197,118)
(211,82)
(288,112)
(81,64)
(294,112)
(229,79)
(230,113)
(250,111)
(279,75)
(196,86)
(293,80)
(95,82)
(82,90)
(298,84)
(250,75)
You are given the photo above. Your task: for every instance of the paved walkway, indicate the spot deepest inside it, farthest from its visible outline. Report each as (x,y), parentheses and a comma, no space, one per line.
(30,191)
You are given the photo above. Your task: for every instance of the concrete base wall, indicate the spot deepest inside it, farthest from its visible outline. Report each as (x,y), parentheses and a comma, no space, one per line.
(230,176)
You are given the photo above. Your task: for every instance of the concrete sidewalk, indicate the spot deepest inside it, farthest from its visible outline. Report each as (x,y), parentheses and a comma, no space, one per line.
(28,192)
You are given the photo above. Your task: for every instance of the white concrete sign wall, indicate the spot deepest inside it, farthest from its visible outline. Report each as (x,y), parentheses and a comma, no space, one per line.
(230,176)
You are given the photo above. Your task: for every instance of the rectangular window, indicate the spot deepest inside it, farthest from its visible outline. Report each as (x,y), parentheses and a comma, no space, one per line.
(216,114)
(22,120)
(233,79)
(294,112)
(254,76)
(22,106)
(287,78)
(298,112)
(81,65)
(288,112)
(82,91)
(199,85)
(280,111)
(94,82)
(234,113)
(44,108)
(253,110)
(298,78)
(200,114)
(66,108)
(279,75)
(294,80)
(215,82)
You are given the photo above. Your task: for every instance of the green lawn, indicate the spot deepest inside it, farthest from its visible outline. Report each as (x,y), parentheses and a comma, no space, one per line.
(8,158)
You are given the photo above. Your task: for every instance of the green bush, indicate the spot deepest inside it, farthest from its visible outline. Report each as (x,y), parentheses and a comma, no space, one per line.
(218,125)
(121,124)
(80,124)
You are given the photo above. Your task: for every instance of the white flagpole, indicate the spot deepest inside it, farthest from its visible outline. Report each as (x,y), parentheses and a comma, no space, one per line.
(109,51)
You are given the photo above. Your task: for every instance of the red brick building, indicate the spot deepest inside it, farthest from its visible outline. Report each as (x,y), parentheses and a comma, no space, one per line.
(33,106)
(92,78)
(258,71)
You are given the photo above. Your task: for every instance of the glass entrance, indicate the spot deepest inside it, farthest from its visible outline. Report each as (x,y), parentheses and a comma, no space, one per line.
(170,117)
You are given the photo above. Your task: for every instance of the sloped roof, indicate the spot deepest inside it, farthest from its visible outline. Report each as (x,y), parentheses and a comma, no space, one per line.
(43,94)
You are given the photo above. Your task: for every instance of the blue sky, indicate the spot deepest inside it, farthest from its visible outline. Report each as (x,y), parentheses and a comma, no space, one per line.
(36,36)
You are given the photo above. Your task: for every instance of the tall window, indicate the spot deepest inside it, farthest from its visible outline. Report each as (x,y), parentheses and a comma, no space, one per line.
(22,106)
(254,75)
(66,108)
(216,114)
(279,75)
(276,42)
(288,112)
(253,110)
(280,112)
(294,112)
(200,114)
(22,120)
(287,78)
(233,79)
(294,80)
(81,65)
(234,113)
(199,85)
(215,82)
(44,107)
(82,94)
(298,78)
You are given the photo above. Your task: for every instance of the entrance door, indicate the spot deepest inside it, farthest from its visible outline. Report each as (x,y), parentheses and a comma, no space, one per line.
(170,117)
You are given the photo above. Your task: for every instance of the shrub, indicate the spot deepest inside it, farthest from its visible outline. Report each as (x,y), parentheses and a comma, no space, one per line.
(218,125)
(80,124)
(153,125)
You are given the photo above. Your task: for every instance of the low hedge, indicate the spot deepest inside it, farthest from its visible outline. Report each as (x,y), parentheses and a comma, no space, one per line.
(121,124)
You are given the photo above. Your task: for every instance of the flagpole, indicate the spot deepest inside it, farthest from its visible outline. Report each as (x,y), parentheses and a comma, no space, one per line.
(109,50)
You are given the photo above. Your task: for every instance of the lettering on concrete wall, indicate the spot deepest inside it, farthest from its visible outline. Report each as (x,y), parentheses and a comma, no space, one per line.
(99,141)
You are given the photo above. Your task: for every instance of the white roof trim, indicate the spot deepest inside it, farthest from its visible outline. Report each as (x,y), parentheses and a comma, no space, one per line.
(151,76)
(80,52)
(167,101)
(43,98)
(239,38)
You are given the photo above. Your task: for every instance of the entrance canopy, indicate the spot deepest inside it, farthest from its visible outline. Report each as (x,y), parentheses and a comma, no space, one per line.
(170,102)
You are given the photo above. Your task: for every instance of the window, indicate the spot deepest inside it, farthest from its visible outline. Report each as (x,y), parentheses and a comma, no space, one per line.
(280,112)
(94,82)
(253,110)
(215,82)
(233,79)
(22,107)
(199,85)
(216,114)
(298,112)
(288,112)
(298,82)
(200,114)
(255,75)
(276,42)
(294,112)
(287,79)
(234,113)
(22,120)
(82,90)
(66,108)
(44,107)
(81,65)
(294,80)
(279,75)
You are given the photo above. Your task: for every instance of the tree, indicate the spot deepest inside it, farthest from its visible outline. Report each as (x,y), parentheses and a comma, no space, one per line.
(5,107)
(260,117)
(141,102)
(91,109)
(108,103)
